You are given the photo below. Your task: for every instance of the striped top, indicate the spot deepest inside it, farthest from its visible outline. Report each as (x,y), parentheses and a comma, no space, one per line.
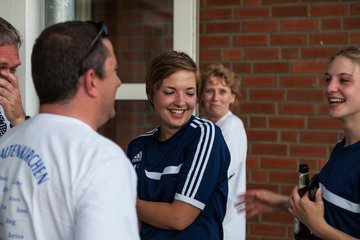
(191,167)
(340,186)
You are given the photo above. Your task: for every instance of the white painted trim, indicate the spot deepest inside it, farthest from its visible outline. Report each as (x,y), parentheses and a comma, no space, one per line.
(185,38)
(28,17)
(131,91)
(186,27)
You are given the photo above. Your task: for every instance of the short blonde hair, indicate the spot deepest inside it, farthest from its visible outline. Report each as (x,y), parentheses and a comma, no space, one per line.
(227,76)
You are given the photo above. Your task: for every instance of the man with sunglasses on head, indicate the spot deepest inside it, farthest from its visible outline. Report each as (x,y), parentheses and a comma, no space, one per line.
(11,110)
(60,179)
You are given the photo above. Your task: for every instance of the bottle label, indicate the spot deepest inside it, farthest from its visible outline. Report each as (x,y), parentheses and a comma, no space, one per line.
(296,226)
(303,180)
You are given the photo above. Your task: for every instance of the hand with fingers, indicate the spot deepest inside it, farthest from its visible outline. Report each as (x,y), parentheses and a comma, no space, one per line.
(257,201)
(10,98)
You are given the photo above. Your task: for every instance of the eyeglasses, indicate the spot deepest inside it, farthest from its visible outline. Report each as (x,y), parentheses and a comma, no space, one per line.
(103,31)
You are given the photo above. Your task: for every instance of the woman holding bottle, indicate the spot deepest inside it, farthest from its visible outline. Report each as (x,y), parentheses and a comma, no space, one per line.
(335,213)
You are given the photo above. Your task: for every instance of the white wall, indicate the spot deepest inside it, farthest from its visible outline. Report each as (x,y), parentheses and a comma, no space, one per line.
(28,17)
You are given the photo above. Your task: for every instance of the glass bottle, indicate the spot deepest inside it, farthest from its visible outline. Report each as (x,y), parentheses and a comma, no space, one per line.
(301,232)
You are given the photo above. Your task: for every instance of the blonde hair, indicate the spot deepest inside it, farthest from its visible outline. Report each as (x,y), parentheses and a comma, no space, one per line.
(227,77)
(351,52)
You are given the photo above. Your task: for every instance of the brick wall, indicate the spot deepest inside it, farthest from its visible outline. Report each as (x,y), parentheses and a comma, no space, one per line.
(279,49)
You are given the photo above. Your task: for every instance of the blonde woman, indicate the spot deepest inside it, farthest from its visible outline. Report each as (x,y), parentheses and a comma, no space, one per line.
(219,91)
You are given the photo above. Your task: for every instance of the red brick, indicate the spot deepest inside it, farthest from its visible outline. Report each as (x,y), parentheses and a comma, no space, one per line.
(251,2)
(286,122)
(222,2)
(329,10)
(274,2)
(327,123)
(355,9)
(224,27)
(318,52)
(329,38)
(269,149)
(210,54)
(300,25)
(323,110)
(296,108)
(306,95)
(212,14)
(261,26)
(252,12)
(215,41)
(297,81)
(289,39)
(309,67)
(259,81)
(278,163)
(250,40)
(258,122)
(270,95)
(355,38)
(351,23)
(252,162)
(279,217)
(242,68)
(290,11)
(271,67)
(259,175)
(264,108)
(256,135)
(268,230)
(290,53)
(331,24)
(284,177)
(289,136)
(311,150)
(318,137)
(232,54)
(261,53)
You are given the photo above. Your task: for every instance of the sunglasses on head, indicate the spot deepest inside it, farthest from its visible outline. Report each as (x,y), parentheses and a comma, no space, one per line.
(102,31)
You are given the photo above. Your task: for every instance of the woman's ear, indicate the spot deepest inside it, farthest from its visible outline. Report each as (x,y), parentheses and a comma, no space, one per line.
(90,83)
(233,98)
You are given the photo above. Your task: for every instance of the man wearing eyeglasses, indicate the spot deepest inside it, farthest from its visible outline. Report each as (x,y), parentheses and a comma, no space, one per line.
(60,179)
(11,110)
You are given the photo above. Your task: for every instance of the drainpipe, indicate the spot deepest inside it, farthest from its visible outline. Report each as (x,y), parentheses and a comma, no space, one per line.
(59,11)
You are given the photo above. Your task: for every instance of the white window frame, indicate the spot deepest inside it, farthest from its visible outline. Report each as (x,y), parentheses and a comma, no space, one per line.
(185,39)
(28,16)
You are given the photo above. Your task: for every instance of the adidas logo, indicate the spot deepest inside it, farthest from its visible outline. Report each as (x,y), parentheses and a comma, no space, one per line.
(137,158)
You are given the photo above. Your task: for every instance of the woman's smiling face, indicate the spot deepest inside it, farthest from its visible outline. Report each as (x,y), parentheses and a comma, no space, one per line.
(342,88)
(175,101)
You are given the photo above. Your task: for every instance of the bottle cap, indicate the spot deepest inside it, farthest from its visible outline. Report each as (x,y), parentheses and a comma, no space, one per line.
(303,168)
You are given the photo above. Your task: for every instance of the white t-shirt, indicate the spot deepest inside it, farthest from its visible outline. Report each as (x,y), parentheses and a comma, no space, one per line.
(60,179)
(235,137)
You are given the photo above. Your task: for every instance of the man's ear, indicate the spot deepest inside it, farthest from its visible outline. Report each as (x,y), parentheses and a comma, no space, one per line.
(90,83)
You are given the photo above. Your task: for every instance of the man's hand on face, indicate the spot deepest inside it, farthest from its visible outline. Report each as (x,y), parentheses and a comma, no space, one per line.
(10,98)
